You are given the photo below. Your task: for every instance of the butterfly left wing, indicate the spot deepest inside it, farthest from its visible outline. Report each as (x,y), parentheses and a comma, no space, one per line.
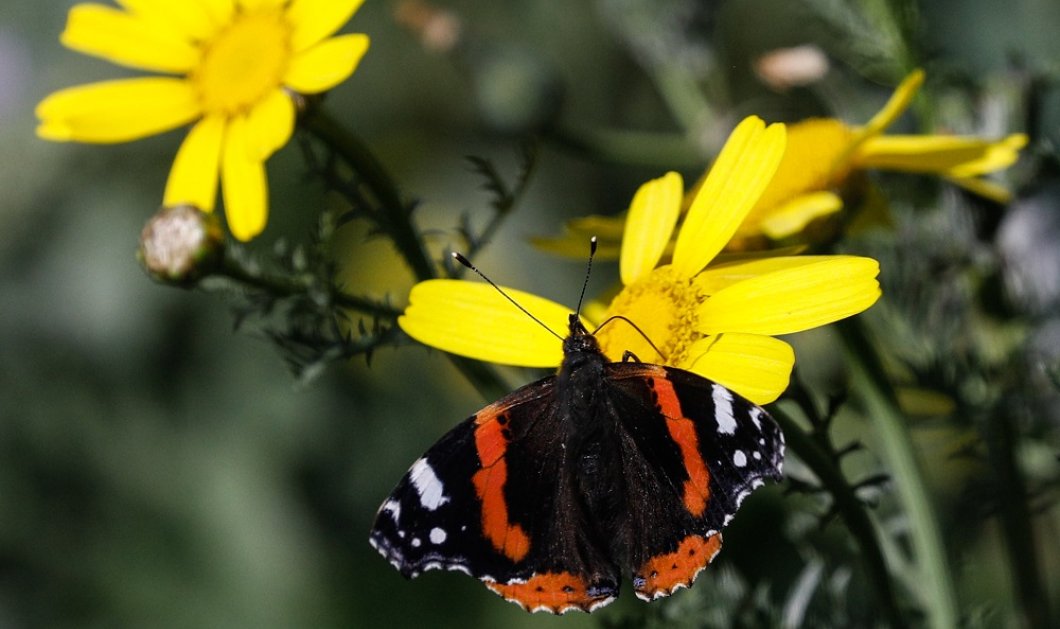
(693,450)
(491,499)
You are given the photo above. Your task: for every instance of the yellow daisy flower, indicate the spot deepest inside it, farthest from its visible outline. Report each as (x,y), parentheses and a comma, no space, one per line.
(821,155)
(823,152)
(715,320)
(233,67)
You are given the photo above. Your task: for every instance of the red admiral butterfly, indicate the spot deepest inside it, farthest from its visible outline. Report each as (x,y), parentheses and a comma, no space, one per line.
(552,493)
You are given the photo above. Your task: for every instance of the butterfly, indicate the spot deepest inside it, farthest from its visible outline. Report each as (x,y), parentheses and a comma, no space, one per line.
(555,492)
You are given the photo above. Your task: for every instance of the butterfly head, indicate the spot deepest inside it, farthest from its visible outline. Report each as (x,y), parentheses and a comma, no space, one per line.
(579,340)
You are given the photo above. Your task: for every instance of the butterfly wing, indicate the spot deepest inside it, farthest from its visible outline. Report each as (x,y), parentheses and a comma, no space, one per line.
(693,450)
(492,499)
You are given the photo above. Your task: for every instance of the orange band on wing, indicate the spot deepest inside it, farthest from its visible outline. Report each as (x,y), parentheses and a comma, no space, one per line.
(661,575)
(683,432)
(491,442)
(556,592)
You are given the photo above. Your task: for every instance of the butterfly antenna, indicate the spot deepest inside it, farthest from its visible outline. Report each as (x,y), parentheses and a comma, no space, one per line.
(635,327)
(588,272)
(462,260)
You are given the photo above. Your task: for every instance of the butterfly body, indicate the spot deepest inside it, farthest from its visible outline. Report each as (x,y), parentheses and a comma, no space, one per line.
(554,493)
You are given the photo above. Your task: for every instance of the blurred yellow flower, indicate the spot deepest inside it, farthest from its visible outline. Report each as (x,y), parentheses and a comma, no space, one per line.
(233,67)
(717,321)
(821,154)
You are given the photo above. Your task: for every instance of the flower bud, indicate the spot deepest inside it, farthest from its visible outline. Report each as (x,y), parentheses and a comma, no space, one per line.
(180,244)
(785,68)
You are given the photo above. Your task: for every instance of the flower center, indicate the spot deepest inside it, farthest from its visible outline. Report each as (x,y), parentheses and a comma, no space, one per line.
(244,62)
(663,305)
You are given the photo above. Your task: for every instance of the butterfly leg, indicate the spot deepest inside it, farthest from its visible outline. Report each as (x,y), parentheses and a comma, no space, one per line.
(630,357)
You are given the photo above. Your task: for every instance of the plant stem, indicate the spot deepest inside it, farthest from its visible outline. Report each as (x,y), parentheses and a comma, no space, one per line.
(395,217)
(1001,440)
(849,508)
(628,148)
(872,385)
(286,286)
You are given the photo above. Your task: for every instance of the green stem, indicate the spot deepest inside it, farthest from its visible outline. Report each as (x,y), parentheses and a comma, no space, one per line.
(1001,440)
(872,384)
(396,220)
(285,286)
(628,148)
(682,94)
(395,217)
(849,508)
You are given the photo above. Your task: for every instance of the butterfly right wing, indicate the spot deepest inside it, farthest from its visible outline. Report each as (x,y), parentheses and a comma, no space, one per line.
(693,450)
(492,499)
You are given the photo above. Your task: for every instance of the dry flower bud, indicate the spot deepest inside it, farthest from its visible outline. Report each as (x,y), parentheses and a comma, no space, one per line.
(180,243)
(439,30)
(785,68)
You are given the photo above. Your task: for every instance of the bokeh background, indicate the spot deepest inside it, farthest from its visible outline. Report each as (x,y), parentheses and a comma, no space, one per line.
(159,468)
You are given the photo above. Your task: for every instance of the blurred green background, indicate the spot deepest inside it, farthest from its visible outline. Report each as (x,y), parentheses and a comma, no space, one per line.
(157,469)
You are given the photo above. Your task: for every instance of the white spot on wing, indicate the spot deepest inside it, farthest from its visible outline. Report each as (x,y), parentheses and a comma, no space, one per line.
(723,410)
(739,459)
(428,485)
(437,535)
(756,413)
(416,542)
(757,456)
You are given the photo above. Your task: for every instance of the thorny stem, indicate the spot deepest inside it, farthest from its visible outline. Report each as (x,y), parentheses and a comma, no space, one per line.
(874,389)
(286,285)
(849,508)
(395,217)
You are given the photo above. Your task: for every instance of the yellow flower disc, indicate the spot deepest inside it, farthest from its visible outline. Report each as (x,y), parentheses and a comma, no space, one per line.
(664,305)
(244,63)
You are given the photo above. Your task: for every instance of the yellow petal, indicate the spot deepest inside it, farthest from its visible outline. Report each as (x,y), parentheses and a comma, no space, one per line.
(741,172)
(984,188)
(220,11)
(792,217)
(474,320)
(270,124)
(997,156)
(954,155)
(895,107)
(117,111)
(649,225)
(721,275)
(757,367)
(578,231)
(795,299)
(193,178)
(811,163)
(252,5)
(244,186)
(190,18)
(127,39)
(314,20)
(327,64)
